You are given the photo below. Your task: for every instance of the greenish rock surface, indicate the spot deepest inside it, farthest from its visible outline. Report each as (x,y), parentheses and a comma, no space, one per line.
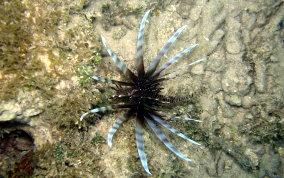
(237,91)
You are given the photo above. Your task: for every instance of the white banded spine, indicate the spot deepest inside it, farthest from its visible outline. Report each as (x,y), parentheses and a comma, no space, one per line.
(164,49)
(185,118)
(163,123)
(118,62)
(102,79)
(165,140)
(139,58)
(174,59)
(140,146)
(101,109)
(183,67)
(113,130)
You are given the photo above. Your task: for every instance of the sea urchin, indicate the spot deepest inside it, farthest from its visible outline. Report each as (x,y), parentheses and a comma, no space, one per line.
(141,95)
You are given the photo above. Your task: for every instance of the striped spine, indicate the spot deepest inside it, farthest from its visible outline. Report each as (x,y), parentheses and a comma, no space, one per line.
(118,62)
(195,62)
(173,130)
(174,59)
(113,130)
(183,67)
(139,58)
(165,48)
(186,118)
(140,146)
(102,109)
(165,140)
(102,79)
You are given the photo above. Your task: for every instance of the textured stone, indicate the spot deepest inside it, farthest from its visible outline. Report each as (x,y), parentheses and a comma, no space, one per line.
(270,166)
(216,63)
(227,111)
(9,111)
(209,104)
(233,100)
(216,39)
(233,36)
(23,108)
(253,157)
(30,112)
(233,43)
(260,76)
(198,69)
(214,81)
(236,79)
(247,101)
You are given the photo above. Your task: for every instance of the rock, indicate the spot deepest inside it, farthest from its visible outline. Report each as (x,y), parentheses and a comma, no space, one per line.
(209,104)
(227,111)
(254,159)
(233,38)
(197,69)
(236,79)
(119,33)
(195,13)
(30,112)
(216,63)
(247,101)
(270,165)
(9,111)
(233,100)
(233,43)
(215,82)
(260,76)
(21,109)
(215,41)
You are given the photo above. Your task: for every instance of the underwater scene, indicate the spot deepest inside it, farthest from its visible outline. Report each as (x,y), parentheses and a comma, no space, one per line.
(141,88)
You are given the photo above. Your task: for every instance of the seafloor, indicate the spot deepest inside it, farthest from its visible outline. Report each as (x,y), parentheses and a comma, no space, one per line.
(237,92)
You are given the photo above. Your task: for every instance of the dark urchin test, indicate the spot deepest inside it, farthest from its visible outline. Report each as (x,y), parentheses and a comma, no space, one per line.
(141,94)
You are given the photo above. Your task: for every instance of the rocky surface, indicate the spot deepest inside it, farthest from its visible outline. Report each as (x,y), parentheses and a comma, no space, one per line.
(238,89)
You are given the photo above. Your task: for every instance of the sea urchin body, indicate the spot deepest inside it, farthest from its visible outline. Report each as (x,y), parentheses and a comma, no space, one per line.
(141,95)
